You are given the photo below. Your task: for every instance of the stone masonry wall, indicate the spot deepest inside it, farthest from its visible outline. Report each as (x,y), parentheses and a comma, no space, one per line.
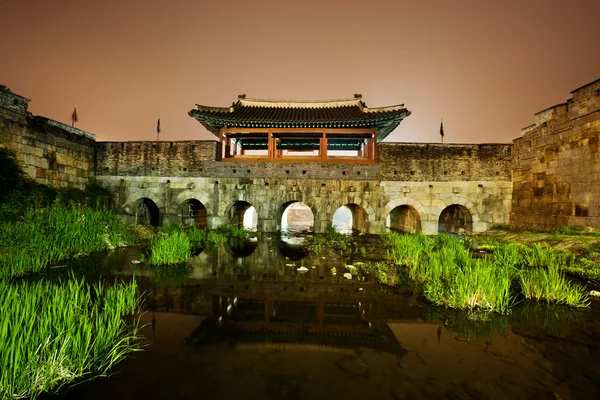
(556,178)
(473,176)
(49,152)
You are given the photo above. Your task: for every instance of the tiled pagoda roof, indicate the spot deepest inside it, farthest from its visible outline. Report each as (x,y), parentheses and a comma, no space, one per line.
(344,113)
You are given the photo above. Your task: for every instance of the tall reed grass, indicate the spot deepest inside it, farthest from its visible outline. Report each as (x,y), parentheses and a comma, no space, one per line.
(52,333)
(49,235)
(548,284)
(450,277)
(171,249)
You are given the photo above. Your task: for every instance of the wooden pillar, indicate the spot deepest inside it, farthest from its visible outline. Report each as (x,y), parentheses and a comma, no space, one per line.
(221,143)
(227,147)
(270,144)
(374,157)
(323,146)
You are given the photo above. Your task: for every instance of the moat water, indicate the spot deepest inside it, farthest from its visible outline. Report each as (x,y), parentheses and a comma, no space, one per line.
(245,323)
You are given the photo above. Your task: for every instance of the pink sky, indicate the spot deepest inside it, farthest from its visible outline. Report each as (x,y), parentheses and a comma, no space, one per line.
(485,67)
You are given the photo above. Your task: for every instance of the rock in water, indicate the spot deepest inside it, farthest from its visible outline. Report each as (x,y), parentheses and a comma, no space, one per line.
(347,275)
(302,269)
(353,365)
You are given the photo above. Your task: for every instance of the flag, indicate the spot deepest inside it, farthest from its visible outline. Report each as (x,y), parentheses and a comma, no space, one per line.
(442,130)
(157,129)
(74,116)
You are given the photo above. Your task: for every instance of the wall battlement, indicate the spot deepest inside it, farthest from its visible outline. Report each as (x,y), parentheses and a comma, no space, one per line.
(50,152)
(556,164)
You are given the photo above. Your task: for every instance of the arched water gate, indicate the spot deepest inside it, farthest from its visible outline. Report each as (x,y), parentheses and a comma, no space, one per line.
(404,218)
(296,216)
(193,214)
(146,212)
(455,219)
(350,218)
(241,213)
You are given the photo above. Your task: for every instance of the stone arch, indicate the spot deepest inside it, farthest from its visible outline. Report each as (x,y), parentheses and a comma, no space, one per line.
(146,212)
(182,197)
(460,200)
(193,213)
(235,213)
(285,206)
(405,206)
(360,218)
(455,218)
(133,200)
(365,205)
(404,218)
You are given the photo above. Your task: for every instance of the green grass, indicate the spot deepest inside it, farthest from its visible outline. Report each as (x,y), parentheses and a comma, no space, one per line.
(52,333)
(378,270)
(174,248)
(448,276)
(174,245)
(331,239)
(49,235)
(550,285)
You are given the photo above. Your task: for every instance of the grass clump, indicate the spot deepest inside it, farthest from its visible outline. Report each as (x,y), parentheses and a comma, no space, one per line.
(52,333)
(170,249)
(448,276)
(332,239)
(174,244)
(379,270)
(49,235)
(548,284)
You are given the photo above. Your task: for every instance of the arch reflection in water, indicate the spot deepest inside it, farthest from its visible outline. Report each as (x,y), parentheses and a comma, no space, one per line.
(241,248)
(291,247)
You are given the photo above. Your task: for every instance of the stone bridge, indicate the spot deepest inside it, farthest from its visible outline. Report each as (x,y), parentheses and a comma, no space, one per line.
(412,186)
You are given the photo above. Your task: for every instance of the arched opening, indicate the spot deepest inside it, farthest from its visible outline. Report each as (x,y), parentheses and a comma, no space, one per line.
(193,214)
(404,218)
(242,213)
(456,219)
(296,217)
(350,218)
(146,213)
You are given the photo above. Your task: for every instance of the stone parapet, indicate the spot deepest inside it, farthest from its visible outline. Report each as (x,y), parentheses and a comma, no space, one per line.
(556,165)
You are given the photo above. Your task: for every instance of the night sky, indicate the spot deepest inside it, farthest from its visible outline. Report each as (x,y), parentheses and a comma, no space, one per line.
(485,67)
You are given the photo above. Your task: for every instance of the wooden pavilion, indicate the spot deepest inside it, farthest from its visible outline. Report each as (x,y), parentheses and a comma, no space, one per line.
(320,131)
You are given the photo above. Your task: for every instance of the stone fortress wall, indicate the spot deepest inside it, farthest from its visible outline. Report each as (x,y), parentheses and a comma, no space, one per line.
(556,165)
(50,152)
(549,177)
(426,178)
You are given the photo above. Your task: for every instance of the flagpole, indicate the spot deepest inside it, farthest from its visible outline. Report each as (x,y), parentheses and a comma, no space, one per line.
(157,128)
(74,116)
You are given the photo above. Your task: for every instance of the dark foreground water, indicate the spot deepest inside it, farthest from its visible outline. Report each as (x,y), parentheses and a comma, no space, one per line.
(246,324)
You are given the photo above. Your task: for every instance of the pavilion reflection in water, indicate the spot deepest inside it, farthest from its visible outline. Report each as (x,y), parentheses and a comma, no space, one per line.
(276,320)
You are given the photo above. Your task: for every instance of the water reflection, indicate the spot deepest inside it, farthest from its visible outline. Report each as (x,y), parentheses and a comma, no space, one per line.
(239,247)
(257,321)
